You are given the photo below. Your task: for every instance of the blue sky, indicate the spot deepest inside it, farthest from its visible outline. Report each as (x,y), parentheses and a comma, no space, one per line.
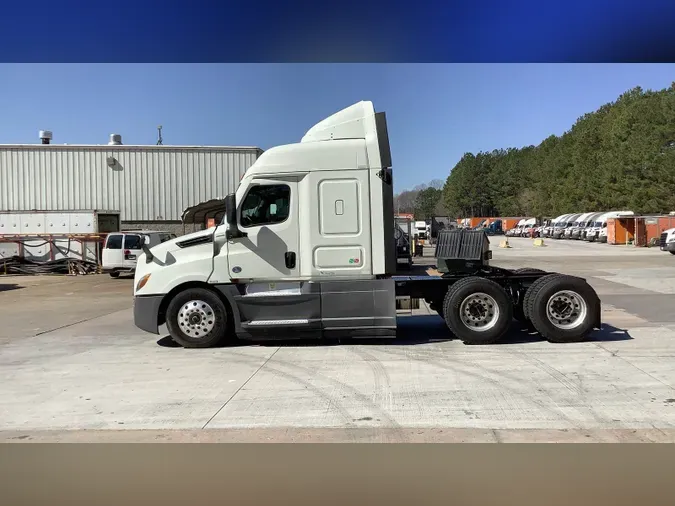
(435,112)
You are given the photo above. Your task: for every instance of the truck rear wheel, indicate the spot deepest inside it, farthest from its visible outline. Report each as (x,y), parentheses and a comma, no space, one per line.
(531,290)
(562,308)
(197,318)
(518,309)
(477,310)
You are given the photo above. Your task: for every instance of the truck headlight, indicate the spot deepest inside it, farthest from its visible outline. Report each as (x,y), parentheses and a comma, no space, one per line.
(671,239)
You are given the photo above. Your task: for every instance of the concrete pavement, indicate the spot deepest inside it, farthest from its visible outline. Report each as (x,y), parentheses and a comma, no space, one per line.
(71,360)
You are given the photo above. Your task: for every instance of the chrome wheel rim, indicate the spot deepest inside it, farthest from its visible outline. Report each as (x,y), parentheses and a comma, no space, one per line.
(479,312)
(196,318)
(566,309)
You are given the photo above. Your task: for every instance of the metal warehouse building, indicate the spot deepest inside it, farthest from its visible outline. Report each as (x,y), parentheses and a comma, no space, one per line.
(150,186)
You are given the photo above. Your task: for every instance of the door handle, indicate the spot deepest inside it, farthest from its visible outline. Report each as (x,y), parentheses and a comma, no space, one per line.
(290,259)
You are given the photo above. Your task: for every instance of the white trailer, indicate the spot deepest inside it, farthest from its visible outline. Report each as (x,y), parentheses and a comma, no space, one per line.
(307,248)
(42,236)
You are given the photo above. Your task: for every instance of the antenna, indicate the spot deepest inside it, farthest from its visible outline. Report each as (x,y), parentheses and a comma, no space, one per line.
(159,135)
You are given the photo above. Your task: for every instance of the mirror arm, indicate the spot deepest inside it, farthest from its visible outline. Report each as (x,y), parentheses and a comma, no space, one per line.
(149,257)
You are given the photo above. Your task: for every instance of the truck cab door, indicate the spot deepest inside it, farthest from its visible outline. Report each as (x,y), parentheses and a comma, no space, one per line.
(268,214)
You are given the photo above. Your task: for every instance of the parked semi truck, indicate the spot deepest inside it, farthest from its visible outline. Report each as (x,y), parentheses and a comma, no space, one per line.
(667,241)
(307,249)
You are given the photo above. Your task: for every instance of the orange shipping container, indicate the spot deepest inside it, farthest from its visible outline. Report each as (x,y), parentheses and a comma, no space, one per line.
(665,222)
(509,223)
(611,231)
(622,230)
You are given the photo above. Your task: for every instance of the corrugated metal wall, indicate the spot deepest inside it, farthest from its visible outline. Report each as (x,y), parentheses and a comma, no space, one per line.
(147,183)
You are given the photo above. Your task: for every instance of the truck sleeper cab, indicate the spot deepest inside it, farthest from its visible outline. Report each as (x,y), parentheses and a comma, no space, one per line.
(307,249)
(578,223)
(548,231)
(580,232)
(561,227)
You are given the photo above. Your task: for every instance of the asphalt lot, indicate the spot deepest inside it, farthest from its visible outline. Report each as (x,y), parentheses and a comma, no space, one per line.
(74,368)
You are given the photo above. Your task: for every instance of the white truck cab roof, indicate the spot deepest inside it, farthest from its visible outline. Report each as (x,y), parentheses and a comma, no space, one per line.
(582,219)
(602,219)
(561,220)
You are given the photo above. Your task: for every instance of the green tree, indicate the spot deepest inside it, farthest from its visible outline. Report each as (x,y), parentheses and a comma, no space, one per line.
(426,202)
(621,156)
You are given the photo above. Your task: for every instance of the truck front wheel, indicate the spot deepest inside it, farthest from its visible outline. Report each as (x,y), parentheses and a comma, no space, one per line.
(197,318)
(477,310)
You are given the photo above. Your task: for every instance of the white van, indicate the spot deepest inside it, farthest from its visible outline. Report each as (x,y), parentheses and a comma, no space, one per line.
(121,249)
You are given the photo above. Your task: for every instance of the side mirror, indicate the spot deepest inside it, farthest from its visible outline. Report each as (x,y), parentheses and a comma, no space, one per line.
(145,241)
(233,231)
(231,210)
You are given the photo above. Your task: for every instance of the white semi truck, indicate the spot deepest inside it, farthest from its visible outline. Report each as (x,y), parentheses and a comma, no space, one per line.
(667,241)
(307,249)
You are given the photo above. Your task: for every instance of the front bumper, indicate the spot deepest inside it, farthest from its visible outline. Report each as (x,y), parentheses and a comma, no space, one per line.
(669,246)
(146,312)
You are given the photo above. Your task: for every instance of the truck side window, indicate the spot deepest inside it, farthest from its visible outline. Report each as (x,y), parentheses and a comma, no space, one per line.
(266,205)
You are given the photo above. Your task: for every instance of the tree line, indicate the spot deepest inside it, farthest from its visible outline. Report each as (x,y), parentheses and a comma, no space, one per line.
(621,156)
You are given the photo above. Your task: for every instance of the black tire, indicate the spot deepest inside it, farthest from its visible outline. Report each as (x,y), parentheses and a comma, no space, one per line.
(464,288)
(518,309)
(538,301)
(114,274)
(672,252)
(201,299)
(531,290)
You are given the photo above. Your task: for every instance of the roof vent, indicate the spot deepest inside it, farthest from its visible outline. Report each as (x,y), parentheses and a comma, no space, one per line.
(45,136)
(115,140)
